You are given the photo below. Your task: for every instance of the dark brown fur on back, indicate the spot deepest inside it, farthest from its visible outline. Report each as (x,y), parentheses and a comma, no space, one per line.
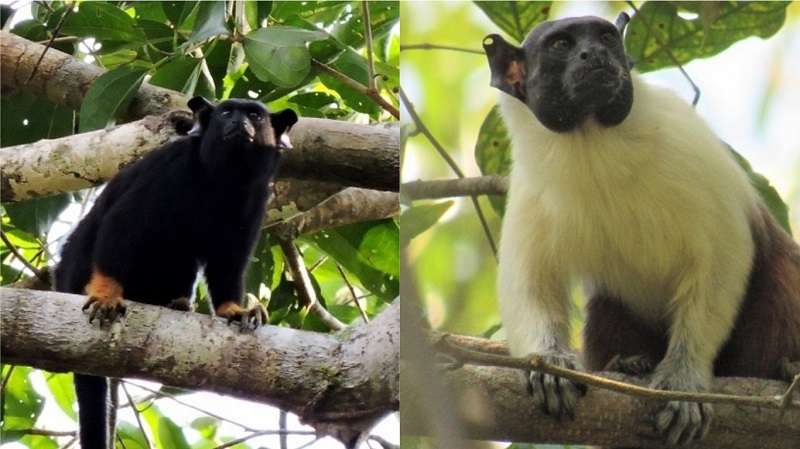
(767,328)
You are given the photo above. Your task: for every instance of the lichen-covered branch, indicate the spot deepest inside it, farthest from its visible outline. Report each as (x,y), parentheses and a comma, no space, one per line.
(349,378)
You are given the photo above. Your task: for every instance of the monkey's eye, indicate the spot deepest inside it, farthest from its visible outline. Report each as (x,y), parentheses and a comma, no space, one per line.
(608,38)
(226,113)
(254,116)
(560,44)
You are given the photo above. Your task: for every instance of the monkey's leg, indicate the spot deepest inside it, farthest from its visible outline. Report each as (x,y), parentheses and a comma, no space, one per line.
(614,339)
(234,312)
(104,298)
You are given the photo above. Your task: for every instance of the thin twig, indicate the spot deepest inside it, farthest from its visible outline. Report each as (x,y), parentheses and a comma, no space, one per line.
(368,41)
(353,84)
(669,52)
(59,25)
(305,289)
(22,259)
(418,123)
(538,364)
(136,412)
(439,47)
(447,188)
(352,293)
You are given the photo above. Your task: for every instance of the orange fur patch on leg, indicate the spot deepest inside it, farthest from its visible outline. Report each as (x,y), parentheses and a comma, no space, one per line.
(103,288)
(234,312)
(104,298)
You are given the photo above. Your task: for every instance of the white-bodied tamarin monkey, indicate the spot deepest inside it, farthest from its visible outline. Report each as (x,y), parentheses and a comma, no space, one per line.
(621,186)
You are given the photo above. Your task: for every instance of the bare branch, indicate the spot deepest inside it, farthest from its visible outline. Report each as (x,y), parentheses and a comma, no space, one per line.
(351,205)
(347,378)
(446,188)
(325,150)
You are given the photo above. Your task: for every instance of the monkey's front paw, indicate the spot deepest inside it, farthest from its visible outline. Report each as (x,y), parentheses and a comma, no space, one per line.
(556,396)
(681,422)
(234,312)
(105,308)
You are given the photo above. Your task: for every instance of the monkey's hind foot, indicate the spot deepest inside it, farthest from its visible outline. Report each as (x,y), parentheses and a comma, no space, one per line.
(787,369)
(182,304)
(555,395)
(104,300)
(681,422)
(635,365)
(234,312)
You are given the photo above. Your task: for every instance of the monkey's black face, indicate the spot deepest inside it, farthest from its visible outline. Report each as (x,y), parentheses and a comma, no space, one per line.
(240,134)
(566,72)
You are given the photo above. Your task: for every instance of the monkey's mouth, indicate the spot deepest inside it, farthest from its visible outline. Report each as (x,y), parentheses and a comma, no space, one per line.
(238,136)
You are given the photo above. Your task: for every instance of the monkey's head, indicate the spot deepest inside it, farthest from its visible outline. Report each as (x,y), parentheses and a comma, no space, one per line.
(241,122)
(567,71)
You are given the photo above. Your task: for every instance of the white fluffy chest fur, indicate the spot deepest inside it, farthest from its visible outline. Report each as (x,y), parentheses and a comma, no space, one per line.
(640,210)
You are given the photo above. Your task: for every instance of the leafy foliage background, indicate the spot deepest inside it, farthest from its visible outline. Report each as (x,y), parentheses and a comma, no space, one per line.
(272,51)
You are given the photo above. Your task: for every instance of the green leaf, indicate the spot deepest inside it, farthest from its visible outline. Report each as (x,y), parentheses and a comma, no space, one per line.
(27,118)
(177,74)
(368,250)
(770,196)
(206,426)
(658,30)
(109,97)
(354,66)
(516,18)
(493,152)
(493,148)
(262,266)
(178,12)
(159,35)
(279,54)
(315,100)
(416,220)
(102,21)
(210,22)
(63,391)
(22,405)
(131,436)
(36,216)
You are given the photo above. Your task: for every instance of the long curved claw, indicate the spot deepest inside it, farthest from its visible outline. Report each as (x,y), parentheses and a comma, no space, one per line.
(104,299)
(257,315)
(106,309)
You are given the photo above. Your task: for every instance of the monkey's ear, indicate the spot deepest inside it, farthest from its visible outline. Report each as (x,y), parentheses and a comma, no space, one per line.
(201,108)
(282,122)
(622,21)
(507,63)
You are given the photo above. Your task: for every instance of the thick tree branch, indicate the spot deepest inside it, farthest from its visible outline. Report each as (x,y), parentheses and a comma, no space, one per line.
(446,188)
(349,378)
(325,150)
(63,79)
(351,205)
(495,406)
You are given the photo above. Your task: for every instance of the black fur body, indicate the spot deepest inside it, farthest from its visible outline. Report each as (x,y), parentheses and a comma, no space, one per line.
(196,203)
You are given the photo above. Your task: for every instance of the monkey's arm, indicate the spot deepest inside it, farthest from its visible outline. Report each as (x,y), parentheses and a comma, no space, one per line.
(224,271)
(534,300)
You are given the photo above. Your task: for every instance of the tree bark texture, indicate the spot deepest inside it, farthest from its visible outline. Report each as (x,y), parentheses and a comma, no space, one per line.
(347,377)
(325,150)
(494,405)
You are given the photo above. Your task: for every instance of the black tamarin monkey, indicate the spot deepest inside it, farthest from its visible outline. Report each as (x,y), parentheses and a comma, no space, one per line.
(195,203)
(622,186)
